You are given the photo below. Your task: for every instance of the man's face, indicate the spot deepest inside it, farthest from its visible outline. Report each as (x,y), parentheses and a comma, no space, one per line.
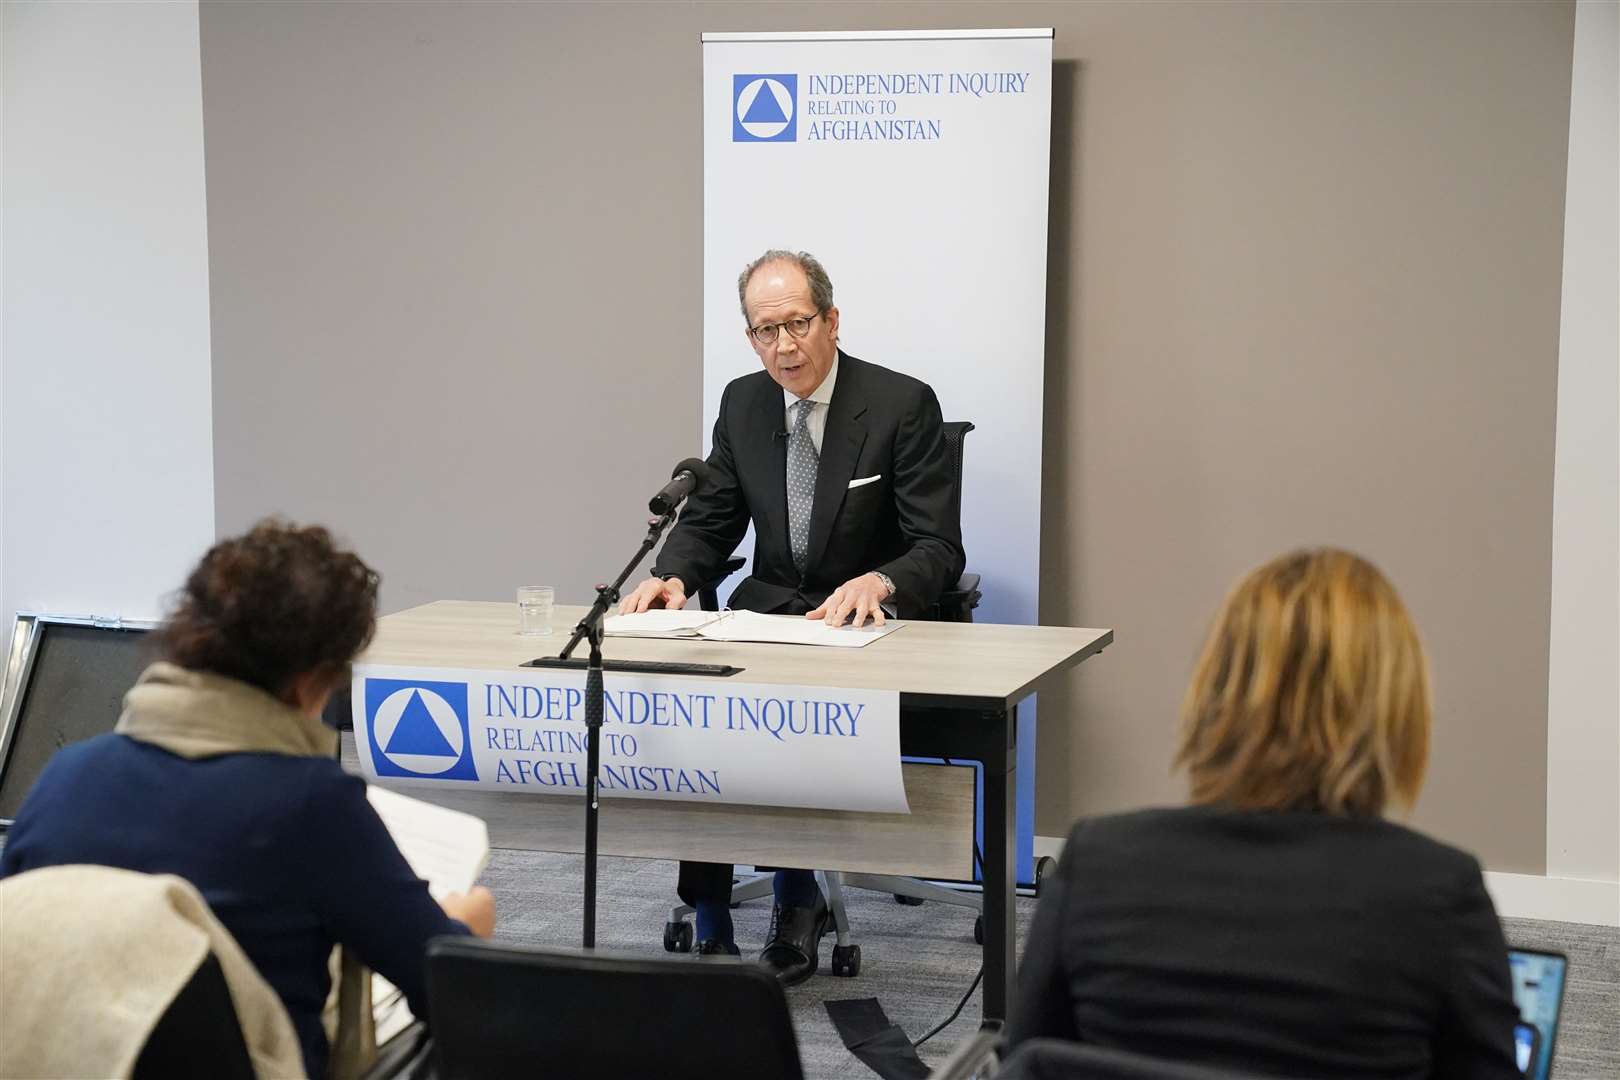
(776,293)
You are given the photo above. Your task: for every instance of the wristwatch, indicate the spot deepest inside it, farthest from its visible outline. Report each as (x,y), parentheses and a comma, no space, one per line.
(888,582)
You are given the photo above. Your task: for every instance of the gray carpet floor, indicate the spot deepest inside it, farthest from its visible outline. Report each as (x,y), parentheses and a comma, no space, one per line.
(918,961)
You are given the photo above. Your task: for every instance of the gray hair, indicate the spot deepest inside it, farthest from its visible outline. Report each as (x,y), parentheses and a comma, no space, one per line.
(821,293)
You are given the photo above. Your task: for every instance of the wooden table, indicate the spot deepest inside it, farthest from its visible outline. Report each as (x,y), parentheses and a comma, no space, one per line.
(959,685)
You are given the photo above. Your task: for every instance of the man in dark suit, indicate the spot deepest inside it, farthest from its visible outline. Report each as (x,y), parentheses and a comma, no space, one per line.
(842,469)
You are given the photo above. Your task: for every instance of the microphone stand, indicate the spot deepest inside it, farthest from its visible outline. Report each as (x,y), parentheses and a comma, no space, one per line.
(590,627)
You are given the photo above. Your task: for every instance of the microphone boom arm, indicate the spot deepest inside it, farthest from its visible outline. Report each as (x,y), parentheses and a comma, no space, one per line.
(608,595)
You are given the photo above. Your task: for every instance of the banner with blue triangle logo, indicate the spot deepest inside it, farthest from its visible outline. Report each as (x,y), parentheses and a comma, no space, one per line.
(764,108)
(419,730)
(664,737)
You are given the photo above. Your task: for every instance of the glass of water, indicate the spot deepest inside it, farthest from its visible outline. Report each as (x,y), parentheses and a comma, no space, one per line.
(534,609)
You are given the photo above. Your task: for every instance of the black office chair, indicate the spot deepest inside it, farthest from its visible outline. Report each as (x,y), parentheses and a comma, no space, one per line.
(954,605)
(1055,1059)
(199,1034)
(504,1010)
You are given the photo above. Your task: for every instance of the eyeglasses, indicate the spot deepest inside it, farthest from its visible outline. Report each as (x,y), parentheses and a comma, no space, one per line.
(796,328)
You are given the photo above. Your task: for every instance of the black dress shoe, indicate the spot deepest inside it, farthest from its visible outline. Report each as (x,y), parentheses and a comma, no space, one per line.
(792,946)
(710,948)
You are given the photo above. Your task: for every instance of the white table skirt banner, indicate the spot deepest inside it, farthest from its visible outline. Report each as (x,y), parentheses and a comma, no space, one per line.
(682,738)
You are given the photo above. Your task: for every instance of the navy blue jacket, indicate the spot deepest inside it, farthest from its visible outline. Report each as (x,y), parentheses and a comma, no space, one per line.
(286,850)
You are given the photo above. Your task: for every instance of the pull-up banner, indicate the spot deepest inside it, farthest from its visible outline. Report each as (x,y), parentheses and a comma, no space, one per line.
(914,165)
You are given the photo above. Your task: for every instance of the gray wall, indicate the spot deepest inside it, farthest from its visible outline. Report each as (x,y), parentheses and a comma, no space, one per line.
(1304,288)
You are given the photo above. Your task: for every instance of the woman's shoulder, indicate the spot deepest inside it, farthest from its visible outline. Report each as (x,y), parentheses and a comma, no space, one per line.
(1226,832)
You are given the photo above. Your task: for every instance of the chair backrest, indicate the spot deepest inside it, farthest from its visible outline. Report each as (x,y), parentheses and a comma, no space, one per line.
(503,1010)
(1056,1059)
(955,432)
(199,1034)
(956,604)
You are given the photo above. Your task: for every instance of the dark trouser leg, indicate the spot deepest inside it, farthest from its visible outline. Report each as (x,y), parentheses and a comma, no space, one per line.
(796,888)
(707,888)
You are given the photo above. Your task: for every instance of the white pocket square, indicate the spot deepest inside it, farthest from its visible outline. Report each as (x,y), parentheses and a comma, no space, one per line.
(863,481)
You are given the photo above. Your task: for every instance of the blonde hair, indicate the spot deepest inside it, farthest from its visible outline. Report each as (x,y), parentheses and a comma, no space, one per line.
(1312,692)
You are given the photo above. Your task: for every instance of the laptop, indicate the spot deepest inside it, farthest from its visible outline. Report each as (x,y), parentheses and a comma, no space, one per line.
(1538,991)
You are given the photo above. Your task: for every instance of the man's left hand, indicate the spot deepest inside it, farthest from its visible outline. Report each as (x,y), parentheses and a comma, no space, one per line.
(853,602)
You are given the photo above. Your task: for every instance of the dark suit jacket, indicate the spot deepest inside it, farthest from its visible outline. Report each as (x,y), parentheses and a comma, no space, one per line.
(879,423)
(1273,944)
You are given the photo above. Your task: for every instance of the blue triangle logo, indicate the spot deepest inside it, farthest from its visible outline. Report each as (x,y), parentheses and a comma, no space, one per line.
(417,732)
(765,109)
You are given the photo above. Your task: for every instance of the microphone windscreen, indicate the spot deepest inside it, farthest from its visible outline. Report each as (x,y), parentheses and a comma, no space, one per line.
(697,467)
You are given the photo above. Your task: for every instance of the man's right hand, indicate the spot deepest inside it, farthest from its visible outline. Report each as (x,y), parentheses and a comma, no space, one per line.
(655,593)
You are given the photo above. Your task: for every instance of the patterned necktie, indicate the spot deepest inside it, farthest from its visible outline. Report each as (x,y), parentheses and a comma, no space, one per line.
(802,461)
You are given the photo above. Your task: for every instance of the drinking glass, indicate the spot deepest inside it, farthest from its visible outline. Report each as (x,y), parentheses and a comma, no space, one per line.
(534,609)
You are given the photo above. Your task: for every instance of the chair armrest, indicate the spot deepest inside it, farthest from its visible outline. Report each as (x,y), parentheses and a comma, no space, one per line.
(708,592)
(956,605)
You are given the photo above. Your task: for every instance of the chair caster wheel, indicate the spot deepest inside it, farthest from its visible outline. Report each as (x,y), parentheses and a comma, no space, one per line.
(846,961)
(978,930)
(908,901)
(1044,866)
(678,937)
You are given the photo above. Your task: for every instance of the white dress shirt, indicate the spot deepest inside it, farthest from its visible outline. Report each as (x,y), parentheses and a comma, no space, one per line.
(822,401)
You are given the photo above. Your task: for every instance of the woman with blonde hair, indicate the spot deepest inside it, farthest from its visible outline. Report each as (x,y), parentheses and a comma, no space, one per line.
(1280,925)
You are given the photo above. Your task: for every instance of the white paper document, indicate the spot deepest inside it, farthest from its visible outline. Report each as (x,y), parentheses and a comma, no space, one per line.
(746,626)
(448,850)
(659,622)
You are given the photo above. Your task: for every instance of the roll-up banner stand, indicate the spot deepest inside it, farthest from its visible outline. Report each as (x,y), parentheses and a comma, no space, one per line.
(914,165)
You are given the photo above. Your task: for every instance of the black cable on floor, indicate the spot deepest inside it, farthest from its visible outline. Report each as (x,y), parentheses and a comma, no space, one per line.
(960,1005)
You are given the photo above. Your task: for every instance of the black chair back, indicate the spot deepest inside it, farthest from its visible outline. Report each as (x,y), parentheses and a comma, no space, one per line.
(955,431)
(957,604)
(199,1035)
(503,1010)
(1055,1059)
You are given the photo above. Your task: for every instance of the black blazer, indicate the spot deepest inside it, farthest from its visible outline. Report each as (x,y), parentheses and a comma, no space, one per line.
(1271,943)
(879,423)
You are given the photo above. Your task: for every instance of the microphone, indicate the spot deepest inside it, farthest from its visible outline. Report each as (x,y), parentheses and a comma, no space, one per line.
(689,476)
(781,434)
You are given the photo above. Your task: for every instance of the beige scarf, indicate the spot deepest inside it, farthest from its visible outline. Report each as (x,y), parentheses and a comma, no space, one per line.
(198,715)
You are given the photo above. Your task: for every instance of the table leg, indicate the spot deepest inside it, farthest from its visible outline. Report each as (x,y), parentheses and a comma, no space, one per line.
(1000,870)
(970,732)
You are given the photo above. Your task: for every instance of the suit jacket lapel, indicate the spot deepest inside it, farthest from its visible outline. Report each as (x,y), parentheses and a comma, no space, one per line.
(766,451)
(840,452)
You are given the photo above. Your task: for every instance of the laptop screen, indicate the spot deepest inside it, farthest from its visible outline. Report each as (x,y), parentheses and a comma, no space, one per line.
(1538,991)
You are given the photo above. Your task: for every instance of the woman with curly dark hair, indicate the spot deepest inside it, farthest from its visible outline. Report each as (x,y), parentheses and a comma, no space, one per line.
(221,772)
